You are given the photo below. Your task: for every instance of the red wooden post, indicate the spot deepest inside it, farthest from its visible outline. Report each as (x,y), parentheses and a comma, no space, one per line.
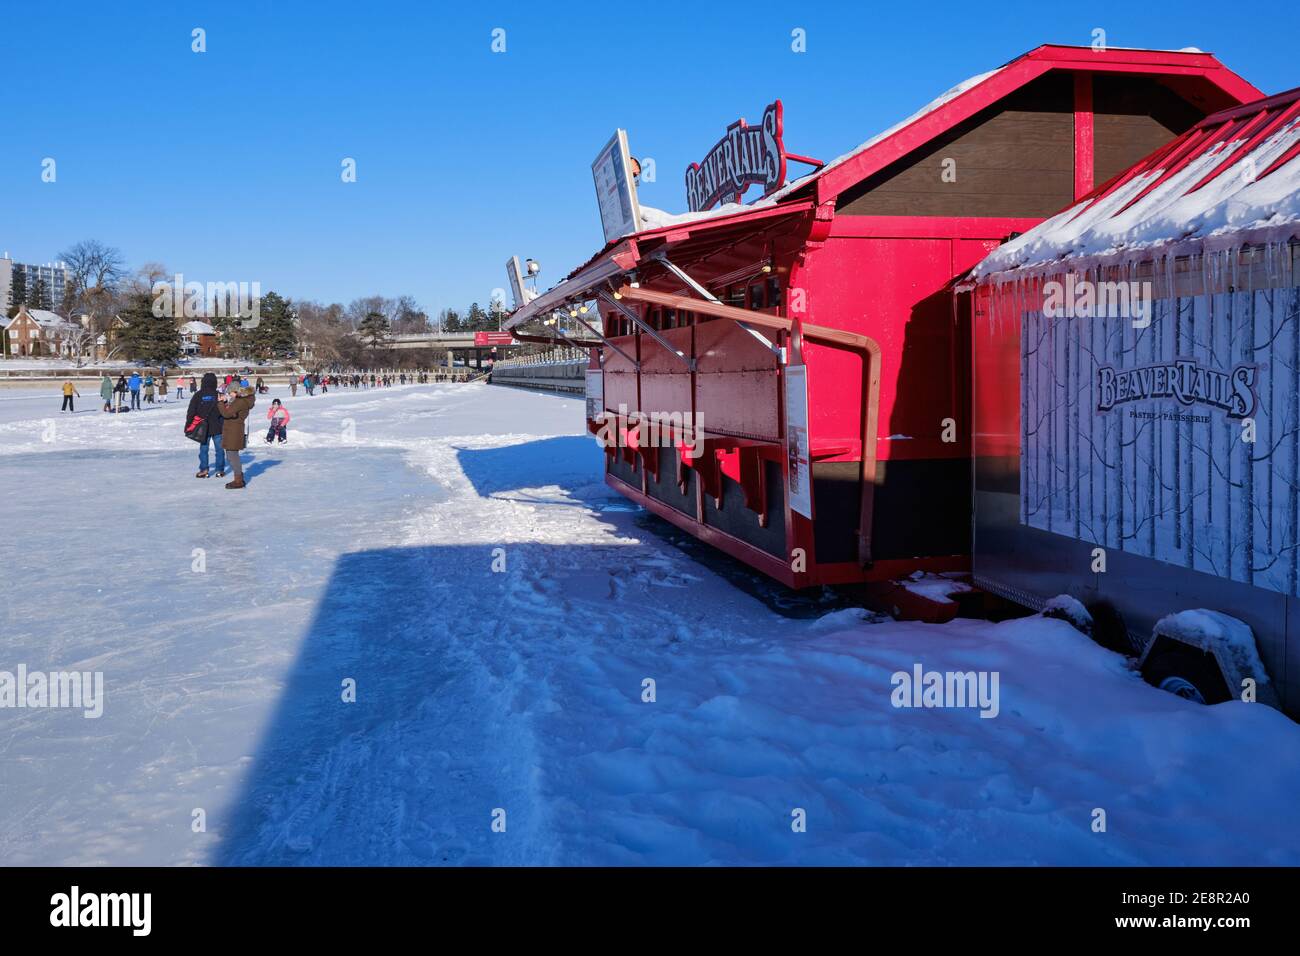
(1083,142)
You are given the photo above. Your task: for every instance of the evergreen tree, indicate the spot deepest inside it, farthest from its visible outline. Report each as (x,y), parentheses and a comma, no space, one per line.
(17,290)
(374,330)
(449,319)
(40,296)
(275,335)
(228,333)
(476,320)
(148,337)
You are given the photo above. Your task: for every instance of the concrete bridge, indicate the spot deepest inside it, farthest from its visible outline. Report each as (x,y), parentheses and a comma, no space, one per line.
(447,340)
(458,345)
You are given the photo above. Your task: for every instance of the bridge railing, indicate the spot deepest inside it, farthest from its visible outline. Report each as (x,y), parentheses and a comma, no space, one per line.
(561,355)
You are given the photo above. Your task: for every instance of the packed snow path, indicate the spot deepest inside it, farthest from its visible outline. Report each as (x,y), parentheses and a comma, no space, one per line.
(453,551)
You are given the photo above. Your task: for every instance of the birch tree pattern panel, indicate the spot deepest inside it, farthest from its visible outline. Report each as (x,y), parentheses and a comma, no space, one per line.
(1178,441)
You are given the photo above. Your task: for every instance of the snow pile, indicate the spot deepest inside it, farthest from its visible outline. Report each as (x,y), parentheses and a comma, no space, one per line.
(652,218)
(1071,610)
(1233,208)
(935,587)
(1230,640)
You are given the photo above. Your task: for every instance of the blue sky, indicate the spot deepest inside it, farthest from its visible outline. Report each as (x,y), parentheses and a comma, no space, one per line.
(226,165)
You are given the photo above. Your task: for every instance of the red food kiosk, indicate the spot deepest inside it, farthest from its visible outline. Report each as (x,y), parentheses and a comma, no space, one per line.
(789,379)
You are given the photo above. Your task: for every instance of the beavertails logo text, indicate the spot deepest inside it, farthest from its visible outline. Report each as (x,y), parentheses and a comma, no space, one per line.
(746,156)
(1184,380)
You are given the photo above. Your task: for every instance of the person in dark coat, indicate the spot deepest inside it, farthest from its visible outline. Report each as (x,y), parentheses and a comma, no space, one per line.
(205,404)
(240,401)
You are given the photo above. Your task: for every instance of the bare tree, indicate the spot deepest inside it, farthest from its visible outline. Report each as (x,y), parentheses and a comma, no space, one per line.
(78,341)
(94,272)
(323,331)
(407,316)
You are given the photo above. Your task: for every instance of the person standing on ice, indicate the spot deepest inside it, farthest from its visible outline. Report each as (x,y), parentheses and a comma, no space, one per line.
(106,392)
(119,391)
(148,389)
(69,389)
(162,384)
(204,404)
(134,385)
(240,401)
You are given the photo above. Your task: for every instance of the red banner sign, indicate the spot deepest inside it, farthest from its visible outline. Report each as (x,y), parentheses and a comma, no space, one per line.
(493,338)
(746,156)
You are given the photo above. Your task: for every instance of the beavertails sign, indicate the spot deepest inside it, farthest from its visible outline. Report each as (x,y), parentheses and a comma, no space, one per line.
(746,156)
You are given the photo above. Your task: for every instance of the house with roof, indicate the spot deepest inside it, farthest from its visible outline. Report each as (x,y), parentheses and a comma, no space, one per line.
(37,332)
(198,338)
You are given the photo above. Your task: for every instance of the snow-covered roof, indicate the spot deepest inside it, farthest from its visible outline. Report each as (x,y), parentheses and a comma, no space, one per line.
(1232,178)
(197,328)
(47,319)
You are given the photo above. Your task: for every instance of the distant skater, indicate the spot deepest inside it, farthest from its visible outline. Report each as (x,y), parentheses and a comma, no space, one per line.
(69,389)
(106,392)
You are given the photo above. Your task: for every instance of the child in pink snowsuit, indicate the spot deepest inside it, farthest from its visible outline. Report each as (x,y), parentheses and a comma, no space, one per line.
(278,416)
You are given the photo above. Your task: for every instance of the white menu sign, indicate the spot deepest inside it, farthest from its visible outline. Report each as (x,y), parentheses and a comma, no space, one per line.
(620,214)
(796,439)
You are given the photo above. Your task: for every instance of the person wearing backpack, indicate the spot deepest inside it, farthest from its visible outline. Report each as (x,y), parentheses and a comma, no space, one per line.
(204,412)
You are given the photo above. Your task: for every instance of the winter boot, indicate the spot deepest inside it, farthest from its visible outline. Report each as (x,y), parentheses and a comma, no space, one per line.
(200,474)
(237,483)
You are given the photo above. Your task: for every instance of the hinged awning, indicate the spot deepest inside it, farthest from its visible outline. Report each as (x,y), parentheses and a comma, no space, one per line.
(610,266)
